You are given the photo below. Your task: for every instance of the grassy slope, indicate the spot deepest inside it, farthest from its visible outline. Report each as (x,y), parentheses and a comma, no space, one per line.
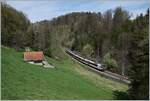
(68,80)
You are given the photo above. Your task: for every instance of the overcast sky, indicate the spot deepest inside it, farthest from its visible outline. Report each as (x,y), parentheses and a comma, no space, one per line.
(37,10)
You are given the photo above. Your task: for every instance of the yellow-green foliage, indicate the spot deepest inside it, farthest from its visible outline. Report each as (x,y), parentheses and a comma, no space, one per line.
(87,50)
(109,61)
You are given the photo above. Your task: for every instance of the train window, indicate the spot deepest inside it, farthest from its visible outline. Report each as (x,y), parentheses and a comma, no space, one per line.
(99,65)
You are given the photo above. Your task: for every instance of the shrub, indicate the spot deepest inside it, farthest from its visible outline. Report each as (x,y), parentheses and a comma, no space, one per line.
(48,52)
(110,62)
(87,50)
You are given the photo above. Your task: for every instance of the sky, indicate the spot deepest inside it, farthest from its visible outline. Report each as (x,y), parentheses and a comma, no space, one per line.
(37,10)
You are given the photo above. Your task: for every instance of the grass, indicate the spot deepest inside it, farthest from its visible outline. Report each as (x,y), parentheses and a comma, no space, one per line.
(69,80)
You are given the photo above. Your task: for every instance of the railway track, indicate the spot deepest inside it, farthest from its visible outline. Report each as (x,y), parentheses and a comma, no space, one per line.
(93,66)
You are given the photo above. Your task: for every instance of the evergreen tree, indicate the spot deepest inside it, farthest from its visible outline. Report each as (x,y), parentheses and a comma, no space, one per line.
(139,58)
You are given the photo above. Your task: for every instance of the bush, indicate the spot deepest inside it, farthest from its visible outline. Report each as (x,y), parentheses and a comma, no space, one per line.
(48,52)
(110,62)
(87,50)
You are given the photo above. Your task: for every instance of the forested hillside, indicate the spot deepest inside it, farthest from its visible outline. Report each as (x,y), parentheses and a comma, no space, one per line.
(14,26)
(111,38)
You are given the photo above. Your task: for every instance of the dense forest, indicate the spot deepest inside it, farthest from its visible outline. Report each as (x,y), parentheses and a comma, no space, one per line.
(111,38)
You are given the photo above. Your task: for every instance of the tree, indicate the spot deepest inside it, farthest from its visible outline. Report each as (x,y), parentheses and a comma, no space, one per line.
(87,50)
(13,22)
(123,46)
(139,58)
(110,63)
(119,19)
(107,26)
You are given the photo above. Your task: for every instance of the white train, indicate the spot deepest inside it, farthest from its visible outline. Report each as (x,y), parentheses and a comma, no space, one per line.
(86,61)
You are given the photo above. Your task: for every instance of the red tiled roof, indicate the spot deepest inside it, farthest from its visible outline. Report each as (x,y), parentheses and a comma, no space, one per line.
(35,56)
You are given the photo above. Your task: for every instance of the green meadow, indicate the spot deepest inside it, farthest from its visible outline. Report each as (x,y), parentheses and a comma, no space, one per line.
(68,80)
